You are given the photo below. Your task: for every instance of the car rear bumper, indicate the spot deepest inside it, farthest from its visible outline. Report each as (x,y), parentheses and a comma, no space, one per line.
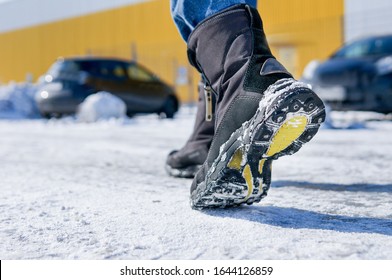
(57,106)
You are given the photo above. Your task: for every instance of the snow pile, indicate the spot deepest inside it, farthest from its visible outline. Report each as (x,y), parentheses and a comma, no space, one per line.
(101,106)
(17,101)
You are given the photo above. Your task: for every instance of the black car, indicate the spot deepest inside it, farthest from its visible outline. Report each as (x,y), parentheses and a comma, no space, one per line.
(356,77)
(69,81)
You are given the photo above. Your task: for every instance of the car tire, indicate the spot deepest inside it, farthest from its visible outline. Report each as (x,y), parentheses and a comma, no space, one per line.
(52,115)
(170,107)
(46,115)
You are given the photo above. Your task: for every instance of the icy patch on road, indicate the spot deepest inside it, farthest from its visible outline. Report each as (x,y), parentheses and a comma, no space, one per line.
(101,106)
(17,101)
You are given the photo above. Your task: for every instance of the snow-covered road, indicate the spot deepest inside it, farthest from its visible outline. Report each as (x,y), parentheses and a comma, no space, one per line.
(99,191)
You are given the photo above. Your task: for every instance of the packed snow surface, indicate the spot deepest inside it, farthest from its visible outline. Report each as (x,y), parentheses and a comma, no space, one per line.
(71,190)
(101,106)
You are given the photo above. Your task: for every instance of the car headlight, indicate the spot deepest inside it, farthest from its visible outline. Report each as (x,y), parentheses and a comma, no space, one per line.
(310,69)
(384,65)
(48,78)
(44,94)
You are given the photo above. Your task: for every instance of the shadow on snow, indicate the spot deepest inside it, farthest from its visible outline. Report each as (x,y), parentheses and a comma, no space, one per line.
(303,219)
(334,187)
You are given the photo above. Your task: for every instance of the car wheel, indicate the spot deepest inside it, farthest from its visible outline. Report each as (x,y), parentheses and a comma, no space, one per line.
(46,115)
(170,107)
(52,115)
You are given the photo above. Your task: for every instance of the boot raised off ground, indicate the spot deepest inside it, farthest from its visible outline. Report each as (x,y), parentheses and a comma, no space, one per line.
(184,163)
(262,113)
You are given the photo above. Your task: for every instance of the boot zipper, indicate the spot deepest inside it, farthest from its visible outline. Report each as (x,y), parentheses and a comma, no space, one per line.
(208,100)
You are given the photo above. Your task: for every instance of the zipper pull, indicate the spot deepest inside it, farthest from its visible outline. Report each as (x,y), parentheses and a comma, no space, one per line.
(208,100)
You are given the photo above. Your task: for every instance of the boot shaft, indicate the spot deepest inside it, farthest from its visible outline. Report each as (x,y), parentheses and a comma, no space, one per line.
(203,129)
(222,44)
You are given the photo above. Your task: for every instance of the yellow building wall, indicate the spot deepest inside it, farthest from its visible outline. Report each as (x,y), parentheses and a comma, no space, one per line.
(298,31)
(302,30)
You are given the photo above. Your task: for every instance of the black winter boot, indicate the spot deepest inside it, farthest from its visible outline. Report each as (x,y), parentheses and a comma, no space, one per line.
(262,112)
(185,162)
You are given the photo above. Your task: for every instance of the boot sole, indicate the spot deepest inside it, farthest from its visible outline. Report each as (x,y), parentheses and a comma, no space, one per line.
(289,116)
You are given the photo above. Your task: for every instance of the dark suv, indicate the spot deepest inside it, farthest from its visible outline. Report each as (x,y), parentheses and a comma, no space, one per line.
(69,81)
(356,77)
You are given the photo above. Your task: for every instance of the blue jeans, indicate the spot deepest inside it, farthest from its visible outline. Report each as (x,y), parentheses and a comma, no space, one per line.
(188,13)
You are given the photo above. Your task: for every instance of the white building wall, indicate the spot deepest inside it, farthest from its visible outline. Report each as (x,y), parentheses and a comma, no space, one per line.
(367,17)
(24,13)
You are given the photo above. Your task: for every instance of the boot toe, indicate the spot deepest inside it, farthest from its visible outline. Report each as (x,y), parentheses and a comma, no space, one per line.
(186,162)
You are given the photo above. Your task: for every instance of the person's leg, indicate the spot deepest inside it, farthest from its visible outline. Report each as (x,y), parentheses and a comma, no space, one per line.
(262,113)
(187,14)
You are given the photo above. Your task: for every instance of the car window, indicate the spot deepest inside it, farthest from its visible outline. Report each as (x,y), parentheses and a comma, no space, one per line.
(61,68)
(366,47)
(382,46)
(111,70)
(135,72)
